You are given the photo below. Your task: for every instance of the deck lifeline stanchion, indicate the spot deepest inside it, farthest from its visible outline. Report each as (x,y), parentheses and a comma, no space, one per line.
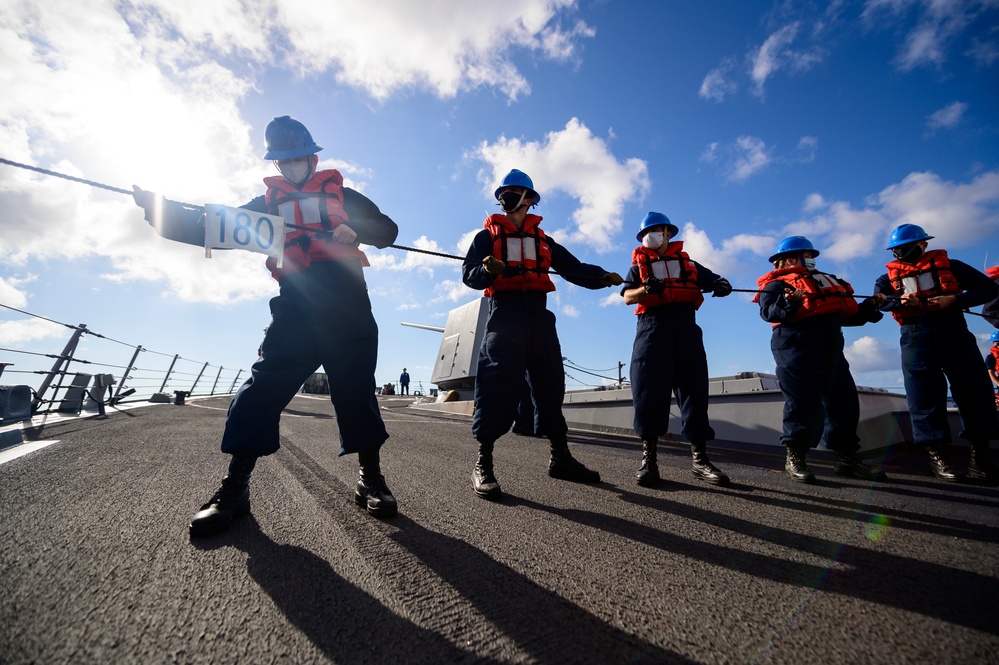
(65,357)
(169,372)
(235,381)
(203,368)
(121,385)
(216,381)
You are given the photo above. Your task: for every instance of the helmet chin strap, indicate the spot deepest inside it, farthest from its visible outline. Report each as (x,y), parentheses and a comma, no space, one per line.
(520,203)
(910,255)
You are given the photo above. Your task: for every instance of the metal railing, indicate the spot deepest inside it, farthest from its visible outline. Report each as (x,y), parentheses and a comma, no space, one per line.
(73,383)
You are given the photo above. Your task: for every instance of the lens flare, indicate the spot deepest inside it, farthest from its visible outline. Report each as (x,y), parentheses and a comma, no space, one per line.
(877,527)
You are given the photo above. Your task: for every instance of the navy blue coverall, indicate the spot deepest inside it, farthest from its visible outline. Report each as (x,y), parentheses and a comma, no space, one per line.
(322,317)
(820,396)
(526,416)
(667,359)
(520,337)
(937,349)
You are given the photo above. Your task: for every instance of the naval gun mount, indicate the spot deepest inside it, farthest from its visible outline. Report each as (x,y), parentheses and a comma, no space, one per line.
(458,355)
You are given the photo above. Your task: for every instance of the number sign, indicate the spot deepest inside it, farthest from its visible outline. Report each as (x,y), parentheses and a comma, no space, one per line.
(238,228)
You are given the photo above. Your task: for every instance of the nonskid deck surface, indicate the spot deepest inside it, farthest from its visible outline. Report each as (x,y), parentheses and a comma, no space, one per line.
(97,565)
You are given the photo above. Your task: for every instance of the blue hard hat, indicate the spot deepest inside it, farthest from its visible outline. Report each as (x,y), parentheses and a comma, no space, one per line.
(793,244)
(287,138)
(906,233)
(994,337)
(517,178)
(656,219)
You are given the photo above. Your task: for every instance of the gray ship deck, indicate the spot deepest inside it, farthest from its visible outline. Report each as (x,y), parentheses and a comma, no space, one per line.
(97,566)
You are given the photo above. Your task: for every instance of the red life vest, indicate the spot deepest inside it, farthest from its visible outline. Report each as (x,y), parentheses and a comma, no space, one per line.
(318,204)
(993,272)
(930,276)
(994,350)
(524,247)
(824,293)
(674,268)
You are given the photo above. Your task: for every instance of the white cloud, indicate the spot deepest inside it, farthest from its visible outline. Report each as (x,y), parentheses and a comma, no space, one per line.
(814,202)
(172,126)
(869,354)
(752,155)
(570,160)
(11,295)
(725,259)
(843,231)
(806,150)
(150,92)
(465,241)
(27,330)
(450,290)
(710,153)
(984,53)
(409,261)
(229,277)
(927,38)
(445,47)
(776,54)
(612,299)
(957,214)
(938,23)
(570,310)
(717,84)
(948,117)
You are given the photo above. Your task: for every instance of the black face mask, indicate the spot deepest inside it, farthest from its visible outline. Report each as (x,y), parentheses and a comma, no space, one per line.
(511,201)
(908,253)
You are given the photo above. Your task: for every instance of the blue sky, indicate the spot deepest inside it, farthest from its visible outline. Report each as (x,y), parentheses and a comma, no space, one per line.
(744,122)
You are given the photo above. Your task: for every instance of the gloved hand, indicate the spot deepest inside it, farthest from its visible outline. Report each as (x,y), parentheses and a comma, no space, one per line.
(142,198)
(612,279)
(654,286)
(493,265)
(721,288)
(869,308)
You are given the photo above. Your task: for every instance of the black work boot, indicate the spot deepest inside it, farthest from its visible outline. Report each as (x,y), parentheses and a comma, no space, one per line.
(371,492)
(648,473)
(848,464)
(938,463)
(703,469)
(565,467)
(232,500)
(981,466)
(483,481)
(795,466)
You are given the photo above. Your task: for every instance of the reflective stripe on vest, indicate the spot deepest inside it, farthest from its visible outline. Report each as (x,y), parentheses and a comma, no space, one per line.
(317,204)
(524,247)
(930,276)
(673,267)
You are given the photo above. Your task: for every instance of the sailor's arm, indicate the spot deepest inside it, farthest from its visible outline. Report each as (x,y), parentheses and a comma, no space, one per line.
(372,226)
(170,219)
